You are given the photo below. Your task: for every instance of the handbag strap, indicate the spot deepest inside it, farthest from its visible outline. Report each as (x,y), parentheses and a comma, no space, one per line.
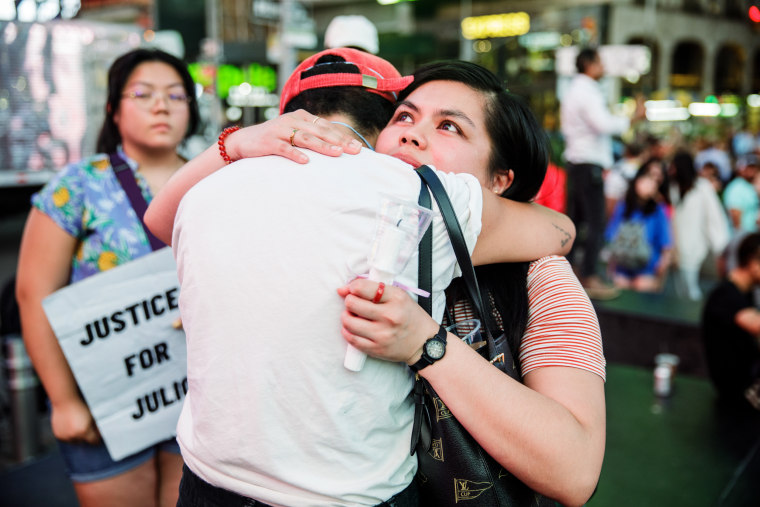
(425,266)
(457,242)
(429,180)
(139,204)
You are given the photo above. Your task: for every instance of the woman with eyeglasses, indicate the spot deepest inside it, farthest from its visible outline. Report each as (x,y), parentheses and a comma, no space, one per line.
(82,223)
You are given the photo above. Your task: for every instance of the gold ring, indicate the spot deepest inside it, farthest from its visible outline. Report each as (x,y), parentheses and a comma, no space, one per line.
(292,136)
(315,120)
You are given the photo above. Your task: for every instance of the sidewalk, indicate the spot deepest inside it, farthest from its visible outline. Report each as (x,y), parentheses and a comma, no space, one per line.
(679,451)
(37,481)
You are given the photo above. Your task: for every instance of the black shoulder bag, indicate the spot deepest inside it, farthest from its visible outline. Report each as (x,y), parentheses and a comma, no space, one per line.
(453,467)
(127,180)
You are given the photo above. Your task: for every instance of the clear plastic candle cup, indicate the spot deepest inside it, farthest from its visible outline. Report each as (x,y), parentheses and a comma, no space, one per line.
(400,227)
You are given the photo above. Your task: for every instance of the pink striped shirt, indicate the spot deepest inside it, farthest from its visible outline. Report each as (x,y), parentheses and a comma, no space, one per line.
(562,329)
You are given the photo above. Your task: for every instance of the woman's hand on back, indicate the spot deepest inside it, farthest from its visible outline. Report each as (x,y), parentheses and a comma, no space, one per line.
(285,134)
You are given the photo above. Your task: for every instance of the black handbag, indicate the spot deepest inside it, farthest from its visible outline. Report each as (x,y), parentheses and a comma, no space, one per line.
(453,467)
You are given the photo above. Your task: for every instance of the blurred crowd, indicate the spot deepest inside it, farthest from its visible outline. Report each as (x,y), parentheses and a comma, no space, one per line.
(694,200)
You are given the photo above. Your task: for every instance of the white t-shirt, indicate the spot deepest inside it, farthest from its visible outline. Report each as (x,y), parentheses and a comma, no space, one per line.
(261,247)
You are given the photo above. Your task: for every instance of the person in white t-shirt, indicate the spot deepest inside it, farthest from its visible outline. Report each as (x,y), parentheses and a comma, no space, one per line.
(271,413)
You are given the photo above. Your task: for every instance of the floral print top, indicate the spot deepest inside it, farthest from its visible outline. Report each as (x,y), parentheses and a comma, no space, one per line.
(87,201)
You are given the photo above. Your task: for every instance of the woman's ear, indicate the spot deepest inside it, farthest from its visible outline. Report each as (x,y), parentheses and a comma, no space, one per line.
(502,181)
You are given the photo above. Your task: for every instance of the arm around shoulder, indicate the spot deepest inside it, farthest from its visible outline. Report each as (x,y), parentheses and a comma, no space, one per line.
(273,137)
(520,231)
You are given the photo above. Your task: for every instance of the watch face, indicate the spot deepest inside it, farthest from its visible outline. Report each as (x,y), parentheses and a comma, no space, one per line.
(435,349)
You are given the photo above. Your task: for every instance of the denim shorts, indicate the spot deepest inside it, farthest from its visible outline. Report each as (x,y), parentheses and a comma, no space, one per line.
(89,463)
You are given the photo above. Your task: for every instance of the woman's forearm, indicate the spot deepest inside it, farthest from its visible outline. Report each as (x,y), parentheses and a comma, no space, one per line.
(518,231)
(160,214)
(552,440)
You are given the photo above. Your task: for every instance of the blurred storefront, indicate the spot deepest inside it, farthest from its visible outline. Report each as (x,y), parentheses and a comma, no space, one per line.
(697,61)
(673,52)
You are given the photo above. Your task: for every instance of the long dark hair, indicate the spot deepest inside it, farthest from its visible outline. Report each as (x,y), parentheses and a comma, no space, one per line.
(684,171)
(118,75)
(633,202)
(519,144)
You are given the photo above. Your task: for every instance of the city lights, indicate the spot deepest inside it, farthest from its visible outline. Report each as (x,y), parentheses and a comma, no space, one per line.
(666,110)
(704,109)
(754,13)
(496,25)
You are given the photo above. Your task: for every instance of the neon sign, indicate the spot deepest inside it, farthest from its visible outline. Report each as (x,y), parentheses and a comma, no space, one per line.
(496,25)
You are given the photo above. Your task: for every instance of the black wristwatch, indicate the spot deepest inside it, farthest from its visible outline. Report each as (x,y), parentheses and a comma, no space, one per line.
(433,350)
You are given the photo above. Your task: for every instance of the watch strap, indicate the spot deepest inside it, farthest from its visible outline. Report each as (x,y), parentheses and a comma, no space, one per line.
(426,360)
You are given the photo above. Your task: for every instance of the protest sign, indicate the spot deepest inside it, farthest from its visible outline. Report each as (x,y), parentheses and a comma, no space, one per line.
(115,329)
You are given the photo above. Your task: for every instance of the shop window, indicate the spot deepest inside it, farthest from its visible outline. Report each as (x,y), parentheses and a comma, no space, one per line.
(646,83)
(687,66)
(729,70)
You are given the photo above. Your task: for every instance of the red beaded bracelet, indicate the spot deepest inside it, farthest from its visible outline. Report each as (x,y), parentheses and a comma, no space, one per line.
(222,137)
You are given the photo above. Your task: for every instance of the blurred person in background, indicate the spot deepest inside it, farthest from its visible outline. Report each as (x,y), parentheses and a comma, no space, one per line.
(744,142)
(700,225)
(639,236)
(618,178)
(657,169)
(714,150)
(740,197)
(81,224)
(356,32)
(730,330)
(709,171)
(588,126)
(655,148)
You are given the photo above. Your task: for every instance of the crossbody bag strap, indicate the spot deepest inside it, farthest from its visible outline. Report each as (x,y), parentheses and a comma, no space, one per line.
(457,241)
(429,180)
(425,266)
(424,282)
(139,204)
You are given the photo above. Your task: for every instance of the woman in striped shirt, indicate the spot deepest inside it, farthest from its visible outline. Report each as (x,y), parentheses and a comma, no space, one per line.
(549,429)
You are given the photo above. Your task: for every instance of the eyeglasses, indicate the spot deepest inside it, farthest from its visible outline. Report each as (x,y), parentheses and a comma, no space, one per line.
(148,99)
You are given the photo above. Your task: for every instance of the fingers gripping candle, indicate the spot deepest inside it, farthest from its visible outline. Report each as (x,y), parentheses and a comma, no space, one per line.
(400,227)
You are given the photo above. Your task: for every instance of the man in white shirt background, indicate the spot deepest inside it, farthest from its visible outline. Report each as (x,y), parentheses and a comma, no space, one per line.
(588,126)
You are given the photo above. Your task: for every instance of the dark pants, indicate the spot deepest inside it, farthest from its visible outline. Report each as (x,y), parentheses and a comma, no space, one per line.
(195,492)
(585,207)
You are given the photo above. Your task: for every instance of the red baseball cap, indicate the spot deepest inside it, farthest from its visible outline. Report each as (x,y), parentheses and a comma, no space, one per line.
(376,75)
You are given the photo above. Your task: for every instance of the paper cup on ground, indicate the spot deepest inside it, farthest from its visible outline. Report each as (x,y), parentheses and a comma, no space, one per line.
(669,360)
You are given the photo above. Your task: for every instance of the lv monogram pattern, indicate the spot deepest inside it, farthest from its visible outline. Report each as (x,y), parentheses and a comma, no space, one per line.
(469,490)
(441,410)
(455,470)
